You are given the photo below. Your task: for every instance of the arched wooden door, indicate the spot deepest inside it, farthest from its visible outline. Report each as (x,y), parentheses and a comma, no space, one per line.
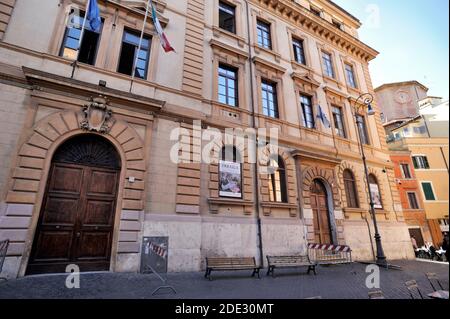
(319,205)
(77,217)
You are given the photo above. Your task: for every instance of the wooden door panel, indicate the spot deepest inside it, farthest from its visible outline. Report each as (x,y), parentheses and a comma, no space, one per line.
(94,245)
(98,212)
(102,183)
(60,211)
(66,179)
(321,221)
(53,246)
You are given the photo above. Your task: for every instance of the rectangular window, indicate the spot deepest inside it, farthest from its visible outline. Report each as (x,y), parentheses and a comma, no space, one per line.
(315,11)
(328,64)
(299,52)
(228,85)
(428,191)
(406,171)
(130,45)
(413,203)
(419,130)
(269,99)
(362,128)
(264,38)
(227,17)
(307,111)
(351,80)
(89,43)
(338,119)
(420,162)
(337,24)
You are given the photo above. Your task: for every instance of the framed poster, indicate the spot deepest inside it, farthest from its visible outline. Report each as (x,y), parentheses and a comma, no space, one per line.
(230,180)
(376,197)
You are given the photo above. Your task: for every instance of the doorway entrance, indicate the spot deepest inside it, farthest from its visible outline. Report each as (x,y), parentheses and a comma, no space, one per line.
(321,216)
(76,221)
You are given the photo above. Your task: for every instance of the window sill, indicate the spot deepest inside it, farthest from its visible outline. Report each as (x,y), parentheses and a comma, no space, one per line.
(230,201)
(328,78)
(296,65)
(278,205)
(275,55)
(353,90)
(218,32)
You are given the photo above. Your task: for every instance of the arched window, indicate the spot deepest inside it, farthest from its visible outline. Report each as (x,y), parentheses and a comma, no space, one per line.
(230,177)
(350,189)
(375,191)
(277,181)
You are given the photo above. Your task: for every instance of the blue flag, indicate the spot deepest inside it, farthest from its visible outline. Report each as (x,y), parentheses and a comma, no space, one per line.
(93,16)
(322,117)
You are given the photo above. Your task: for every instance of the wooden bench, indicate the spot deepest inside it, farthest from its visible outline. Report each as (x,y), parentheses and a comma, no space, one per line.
(289,262)
(231,263)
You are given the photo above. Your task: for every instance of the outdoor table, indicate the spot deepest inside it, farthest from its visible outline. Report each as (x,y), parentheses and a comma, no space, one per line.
(440,294)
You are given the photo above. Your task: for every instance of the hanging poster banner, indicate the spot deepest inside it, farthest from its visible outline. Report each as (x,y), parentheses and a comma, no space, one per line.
(376,197)
(230,180)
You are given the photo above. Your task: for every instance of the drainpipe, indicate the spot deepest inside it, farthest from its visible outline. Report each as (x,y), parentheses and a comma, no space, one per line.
(256,175)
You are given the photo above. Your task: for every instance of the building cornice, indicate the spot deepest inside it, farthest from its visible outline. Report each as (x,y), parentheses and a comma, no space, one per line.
(302,17)
(39,79)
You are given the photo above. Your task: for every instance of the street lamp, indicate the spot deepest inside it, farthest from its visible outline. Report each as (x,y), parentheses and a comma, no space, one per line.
(367,100)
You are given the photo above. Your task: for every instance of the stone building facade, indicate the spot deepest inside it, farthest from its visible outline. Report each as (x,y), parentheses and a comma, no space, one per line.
(86,170)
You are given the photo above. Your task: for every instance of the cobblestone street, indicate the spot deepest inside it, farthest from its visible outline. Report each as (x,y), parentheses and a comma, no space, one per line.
(331,282)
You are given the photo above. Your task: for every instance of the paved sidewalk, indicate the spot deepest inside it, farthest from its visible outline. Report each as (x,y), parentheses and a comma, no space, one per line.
(331,282)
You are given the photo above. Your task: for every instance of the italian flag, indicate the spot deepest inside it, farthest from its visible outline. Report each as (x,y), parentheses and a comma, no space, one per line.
(164,42)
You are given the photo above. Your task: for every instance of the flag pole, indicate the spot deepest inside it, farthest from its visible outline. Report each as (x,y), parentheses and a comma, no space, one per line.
(81,37)
(139,47)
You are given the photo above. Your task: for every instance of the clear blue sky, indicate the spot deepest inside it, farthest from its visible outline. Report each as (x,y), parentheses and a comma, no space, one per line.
(412,37)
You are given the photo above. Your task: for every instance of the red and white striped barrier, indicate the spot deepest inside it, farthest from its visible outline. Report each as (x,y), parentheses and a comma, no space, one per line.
(329,247)
(159,250)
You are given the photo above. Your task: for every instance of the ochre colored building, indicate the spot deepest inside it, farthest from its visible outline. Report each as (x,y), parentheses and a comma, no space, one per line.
(411,197)
(86,170)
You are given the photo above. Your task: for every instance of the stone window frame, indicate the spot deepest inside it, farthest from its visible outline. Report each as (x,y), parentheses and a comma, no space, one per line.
(110,44)
(223,54)
(367,126)
(239,36)
(343,121)
(354,190)
(324,48)
(270,72)
(347,60)
(57,41)
(123,25)
(214,199)
(291,183)
(306,85)
(360,188)
(335,99)
(266,18)
(417,199)
(296,34)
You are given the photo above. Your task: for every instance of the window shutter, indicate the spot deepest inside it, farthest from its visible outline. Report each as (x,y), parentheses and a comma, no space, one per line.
(428,191)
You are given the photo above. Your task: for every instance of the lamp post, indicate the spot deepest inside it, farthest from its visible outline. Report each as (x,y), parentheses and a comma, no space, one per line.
(367,99)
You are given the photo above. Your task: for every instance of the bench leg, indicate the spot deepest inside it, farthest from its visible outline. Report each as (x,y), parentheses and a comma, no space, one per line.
(208,274)
(256,272)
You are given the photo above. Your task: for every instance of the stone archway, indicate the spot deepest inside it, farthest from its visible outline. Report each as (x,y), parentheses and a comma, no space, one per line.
(326,177)
(30,172)
(76,220)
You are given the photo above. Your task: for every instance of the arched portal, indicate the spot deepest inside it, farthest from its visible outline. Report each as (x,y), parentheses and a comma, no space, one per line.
(321,213)
(76,221)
